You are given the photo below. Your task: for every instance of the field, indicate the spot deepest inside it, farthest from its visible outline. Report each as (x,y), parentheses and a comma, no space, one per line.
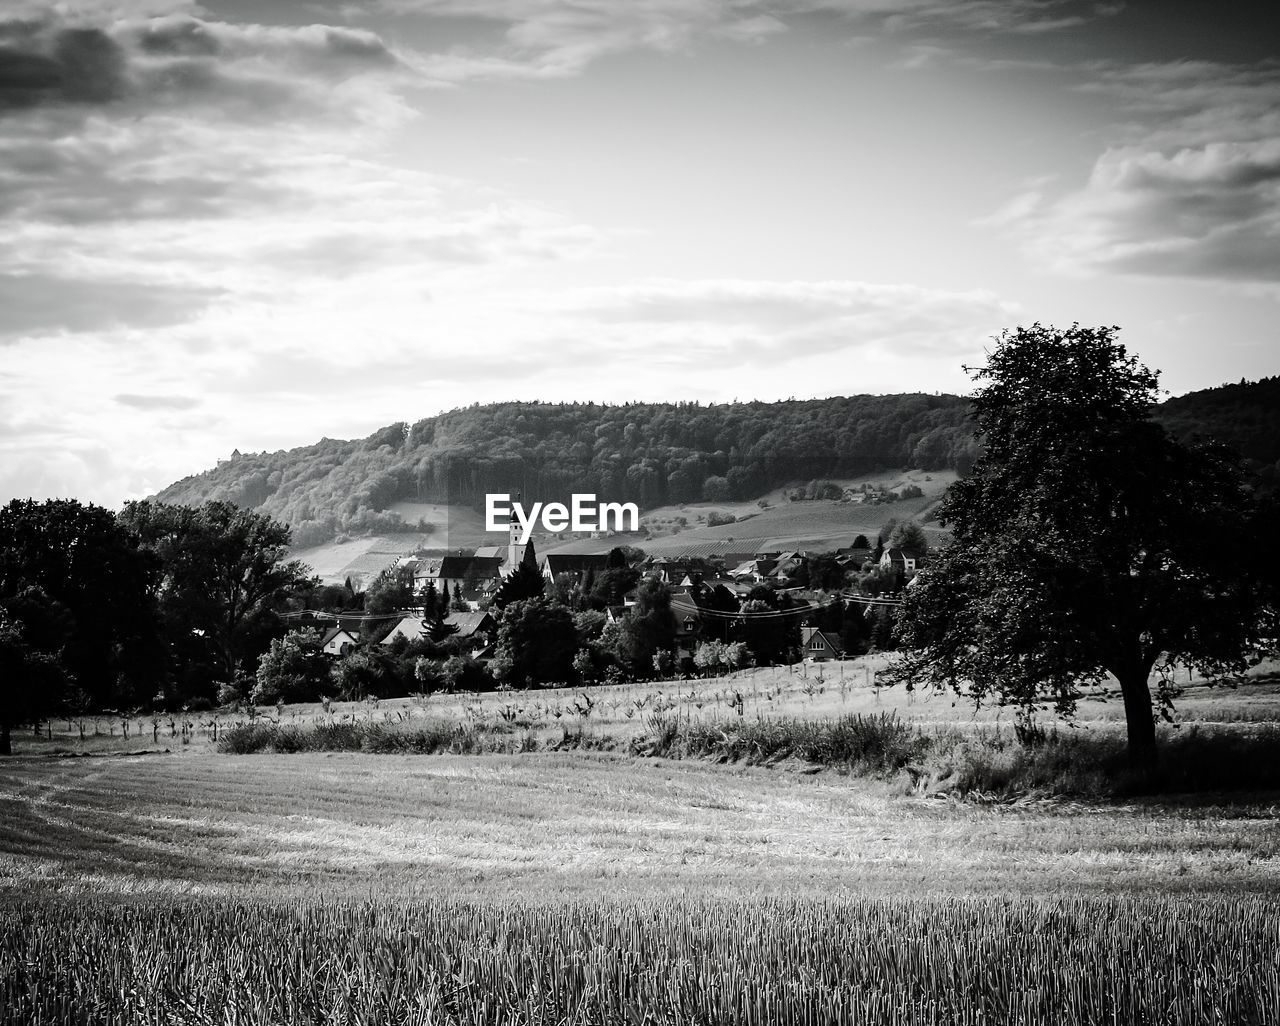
(612,886)
(818,525)
(361,559)
(614,715)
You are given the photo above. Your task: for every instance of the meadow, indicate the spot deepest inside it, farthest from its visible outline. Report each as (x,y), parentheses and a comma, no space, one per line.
(604,881)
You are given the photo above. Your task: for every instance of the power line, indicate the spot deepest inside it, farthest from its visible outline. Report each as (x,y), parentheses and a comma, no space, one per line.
(753,615)
(872,601)
(319,614)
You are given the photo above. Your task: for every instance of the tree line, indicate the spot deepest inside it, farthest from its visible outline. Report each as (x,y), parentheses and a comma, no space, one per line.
(162,606)
(153,606)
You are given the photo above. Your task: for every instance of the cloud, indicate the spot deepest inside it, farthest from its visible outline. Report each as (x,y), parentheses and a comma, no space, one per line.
(1208,212)
(215,210)
(142,65)
(45,304)
(561,38)
(200,181)
(157,402)
(780,322)
(1190,188)
(82,65)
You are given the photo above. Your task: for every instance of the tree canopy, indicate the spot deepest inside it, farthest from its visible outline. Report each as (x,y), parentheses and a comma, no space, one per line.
(33,680)
(225,572)
(72,572)
(648,453)
(1086,541)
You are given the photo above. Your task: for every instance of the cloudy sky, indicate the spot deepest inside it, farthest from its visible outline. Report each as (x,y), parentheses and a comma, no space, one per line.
(253,223)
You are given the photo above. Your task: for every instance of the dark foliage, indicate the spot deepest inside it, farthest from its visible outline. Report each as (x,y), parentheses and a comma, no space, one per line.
(537,641)
(81,585)
(1244,416)
(1084,541)
(648,453)
(223,575)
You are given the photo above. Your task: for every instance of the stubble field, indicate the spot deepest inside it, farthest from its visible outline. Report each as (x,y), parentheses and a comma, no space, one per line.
(603,886)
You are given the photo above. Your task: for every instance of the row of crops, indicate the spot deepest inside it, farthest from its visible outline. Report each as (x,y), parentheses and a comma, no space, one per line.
(1164,960)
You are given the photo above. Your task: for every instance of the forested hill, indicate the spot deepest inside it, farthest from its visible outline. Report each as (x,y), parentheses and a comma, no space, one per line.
(648,453)
(1245,416)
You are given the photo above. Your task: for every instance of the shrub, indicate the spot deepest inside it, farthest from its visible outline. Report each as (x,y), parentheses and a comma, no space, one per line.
(294,669)
(463,673)
(229,694)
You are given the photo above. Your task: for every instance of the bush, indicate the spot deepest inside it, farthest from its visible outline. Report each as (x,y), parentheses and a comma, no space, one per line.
(247,738)
(463,673)
(432,738)
(372,673)
(294,669)
(866,744)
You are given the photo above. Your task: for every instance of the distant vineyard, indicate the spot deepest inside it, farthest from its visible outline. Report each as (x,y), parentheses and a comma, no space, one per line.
(958,961)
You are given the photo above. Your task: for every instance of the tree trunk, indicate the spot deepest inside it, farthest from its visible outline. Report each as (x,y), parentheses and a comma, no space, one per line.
(1139,717)
(5,747)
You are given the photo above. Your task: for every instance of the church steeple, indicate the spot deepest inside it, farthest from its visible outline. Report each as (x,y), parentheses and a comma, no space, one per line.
(513,549)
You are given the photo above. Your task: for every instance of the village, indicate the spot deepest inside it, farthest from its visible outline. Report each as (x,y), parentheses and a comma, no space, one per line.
(719,611)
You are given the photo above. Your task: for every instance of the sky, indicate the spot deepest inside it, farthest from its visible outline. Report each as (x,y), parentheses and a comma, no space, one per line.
(256,223)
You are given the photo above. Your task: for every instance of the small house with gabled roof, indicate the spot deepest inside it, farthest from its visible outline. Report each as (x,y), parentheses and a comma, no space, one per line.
(819,646)
(904,561)
(338,641)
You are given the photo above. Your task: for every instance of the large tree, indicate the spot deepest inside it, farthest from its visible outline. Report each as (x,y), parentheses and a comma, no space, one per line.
(1085,542)
(648,628)
(525,582)
(391,591)
(293,669)
(537,641)
(32,680)
(79,583)
(224,573)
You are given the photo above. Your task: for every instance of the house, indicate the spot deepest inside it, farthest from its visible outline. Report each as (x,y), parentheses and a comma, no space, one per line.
(470,574)
(576,563)
(338,641)
(819,645)
(853,556)
(787,564)
(755,570)
(688,624)
(469,626)
(670,570)
(902,560)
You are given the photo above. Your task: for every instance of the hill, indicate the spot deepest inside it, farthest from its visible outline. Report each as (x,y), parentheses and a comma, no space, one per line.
(653,454)
(1245,416)
(424,484)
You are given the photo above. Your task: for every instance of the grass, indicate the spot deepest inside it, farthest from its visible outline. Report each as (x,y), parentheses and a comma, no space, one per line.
(778,846)
(877,961)
(818,525)
(1226,738)
(585,824)
(812,692)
